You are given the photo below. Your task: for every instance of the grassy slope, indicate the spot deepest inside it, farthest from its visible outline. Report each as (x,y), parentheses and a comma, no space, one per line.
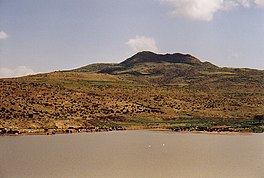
(63,99)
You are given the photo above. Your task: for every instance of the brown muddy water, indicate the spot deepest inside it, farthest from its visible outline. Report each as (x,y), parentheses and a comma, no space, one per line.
(133,154)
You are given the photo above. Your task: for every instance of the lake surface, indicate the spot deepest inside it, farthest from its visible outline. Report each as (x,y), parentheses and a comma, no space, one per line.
(133,154)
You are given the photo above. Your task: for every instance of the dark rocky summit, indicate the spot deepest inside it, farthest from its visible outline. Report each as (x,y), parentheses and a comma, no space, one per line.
(147,56)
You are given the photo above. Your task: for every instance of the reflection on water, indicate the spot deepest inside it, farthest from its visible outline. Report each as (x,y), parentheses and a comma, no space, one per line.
(133,154)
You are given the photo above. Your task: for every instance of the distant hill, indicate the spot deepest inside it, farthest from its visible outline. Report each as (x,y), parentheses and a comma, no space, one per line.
(174,69)
(143,58)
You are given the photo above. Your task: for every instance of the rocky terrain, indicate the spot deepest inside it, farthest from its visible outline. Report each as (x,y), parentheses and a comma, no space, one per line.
(146,91)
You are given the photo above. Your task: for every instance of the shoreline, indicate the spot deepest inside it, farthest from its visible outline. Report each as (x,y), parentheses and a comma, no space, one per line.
(63,132)
(207,133)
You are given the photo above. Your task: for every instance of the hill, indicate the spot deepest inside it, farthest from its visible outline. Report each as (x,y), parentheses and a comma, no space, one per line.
(146,91)
(176,69)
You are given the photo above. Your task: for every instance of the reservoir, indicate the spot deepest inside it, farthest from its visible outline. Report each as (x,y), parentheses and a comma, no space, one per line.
(126,154)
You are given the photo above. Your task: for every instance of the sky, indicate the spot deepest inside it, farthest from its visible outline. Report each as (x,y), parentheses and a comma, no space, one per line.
(49,35)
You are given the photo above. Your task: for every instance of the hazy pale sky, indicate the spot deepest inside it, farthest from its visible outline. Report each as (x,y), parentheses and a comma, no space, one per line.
(47,35)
